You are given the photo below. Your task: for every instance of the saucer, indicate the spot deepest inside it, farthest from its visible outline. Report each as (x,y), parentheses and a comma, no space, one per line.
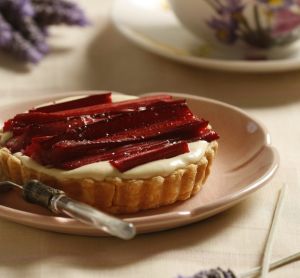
(246,161)
(152,25)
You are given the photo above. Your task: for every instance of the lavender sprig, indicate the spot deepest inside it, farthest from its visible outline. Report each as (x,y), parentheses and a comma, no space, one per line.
(22,20)
(56,12)
(20,7)
(33,33)
(267,266)
(13,42)
(220,273)
(212,273)
(24,23)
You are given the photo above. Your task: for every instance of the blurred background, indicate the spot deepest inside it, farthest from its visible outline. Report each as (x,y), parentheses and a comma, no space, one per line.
(99,57)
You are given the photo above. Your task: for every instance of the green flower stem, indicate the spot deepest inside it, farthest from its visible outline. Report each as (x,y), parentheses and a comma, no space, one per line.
(243,21)
(257,18)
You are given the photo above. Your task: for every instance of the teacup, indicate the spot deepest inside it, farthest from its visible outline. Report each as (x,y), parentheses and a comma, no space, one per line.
(256,26)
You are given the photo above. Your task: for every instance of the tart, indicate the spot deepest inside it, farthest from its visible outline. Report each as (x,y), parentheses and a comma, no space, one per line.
(118,156)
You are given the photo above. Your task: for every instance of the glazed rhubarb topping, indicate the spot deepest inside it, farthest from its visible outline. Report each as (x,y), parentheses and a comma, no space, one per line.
(100,110)
(128,133)
(74,104)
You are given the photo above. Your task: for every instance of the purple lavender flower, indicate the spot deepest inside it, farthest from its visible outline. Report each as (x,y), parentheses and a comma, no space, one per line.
(285,19)
(23,25)
(213,273)
(15,44)
(285,22)
(5,32)
(21,7)
(225,30)
(229,7)
(33,33)
(22,21)
(227,23)
(273,21)
(54,12)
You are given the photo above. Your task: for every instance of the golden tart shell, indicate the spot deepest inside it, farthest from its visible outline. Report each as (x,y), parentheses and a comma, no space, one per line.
(116,195)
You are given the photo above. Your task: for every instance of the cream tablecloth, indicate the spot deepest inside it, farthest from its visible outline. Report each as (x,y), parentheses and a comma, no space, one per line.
(100,58)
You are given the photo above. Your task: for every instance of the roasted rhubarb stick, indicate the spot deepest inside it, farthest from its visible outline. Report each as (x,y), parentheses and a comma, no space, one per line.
(41,117)
(126,121)
(127,133)
(53,128)
(92,128)
(69,149)
(127,157)
(125,163)
(74,104)
(116,153)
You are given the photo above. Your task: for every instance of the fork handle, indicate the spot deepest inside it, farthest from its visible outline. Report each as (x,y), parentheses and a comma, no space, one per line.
(36,192)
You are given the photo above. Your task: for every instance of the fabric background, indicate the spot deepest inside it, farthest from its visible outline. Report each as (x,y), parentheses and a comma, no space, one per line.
(99,57)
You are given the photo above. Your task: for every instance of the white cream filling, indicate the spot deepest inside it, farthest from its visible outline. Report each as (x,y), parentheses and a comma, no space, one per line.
(101,170)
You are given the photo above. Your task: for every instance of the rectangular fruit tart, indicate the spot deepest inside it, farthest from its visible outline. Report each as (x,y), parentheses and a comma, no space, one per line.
(119,156)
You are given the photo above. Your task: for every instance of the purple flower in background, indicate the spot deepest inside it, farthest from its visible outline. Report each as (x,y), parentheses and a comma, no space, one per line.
(19,14)
(278,4)
(24,23)
(54,12)
(225,30)
(233,6)
(5,31)
(285,22)
(272,22)
(227,6)
(284,15)
(15,44)
(227,23)
(212,273)
(21,7)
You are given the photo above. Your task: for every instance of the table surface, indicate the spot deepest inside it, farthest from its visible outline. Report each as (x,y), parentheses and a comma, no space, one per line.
(99,57)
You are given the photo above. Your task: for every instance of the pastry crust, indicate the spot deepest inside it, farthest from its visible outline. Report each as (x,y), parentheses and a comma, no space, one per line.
(116,195)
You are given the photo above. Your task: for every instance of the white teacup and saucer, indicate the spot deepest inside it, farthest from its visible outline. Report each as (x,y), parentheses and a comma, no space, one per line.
(201,35)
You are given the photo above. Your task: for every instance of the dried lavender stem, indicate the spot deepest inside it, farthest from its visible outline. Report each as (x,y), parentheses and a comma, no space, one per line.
(273,265)
(270,240)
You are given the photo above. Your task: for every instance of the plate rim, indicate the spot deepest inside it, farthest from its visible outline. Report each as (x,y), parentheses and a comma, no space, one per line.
(205,62)
(186,217)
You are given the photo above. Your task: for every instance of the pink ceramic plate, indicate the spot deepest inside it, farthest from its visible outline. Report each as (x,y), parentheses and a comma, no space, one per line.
(244,163)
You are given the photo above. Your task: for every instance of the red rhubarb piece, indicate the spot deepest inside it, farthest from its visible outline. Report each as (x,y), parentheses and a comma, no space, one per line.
(126,163)
(54,128)
(40,117)
(181,129)
(35,147)
(126,121)
(17,143)
(74,104)
(127,133)
(24,135)
(138,103)
(70,149)
(8,125)
(111,154)
(208,135)
(23,119)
